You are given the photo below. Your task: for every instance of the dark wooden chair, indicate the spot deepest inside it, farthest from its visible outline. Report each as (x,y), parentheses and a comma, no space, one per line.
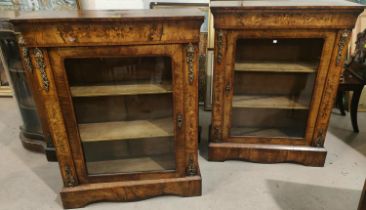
(354,79)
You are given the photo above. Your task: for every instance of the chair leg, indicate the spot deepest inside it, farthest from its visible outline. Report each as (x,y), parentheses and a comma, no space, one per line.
(340,96)
(354,107)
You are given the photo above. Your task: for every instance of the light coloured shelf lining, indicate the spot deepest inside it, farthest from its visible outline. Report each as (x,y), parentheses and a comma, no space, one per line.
(140,164)
(280,67)
(267,102)
(126,130)
(109,90)
(296,132)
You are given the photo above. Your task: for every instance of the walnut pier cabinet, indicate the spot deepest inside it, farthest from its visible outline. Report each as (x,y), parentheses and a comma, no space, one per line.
(277,68)
(119,89)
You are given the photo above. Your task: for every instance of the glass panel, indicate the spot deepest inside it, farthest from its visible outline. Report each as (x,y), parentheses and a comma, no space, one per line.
(124,110)
(273,85)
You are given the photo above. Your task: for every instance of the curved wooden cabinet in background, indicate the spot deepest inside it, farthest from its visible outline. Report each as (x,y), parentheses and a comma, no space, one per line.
(119,89)
(277,68)
(34,133)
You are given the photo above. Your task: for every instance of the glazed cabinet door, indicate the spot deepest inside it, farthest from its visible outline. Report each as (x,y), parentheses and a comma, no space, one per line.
(273,89)
(123,109)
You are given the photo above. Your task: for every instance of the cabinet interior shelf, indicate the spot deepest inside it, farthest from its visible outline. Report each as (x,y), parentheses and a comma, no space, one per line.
(126,130)
(268,132)
(280,67)
(153,163)
(108,90)
(16,70)
(266,101)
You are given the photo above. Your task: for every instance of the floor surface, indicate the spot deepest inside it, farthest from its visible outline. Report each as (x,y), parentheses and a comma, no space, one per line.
(28,181)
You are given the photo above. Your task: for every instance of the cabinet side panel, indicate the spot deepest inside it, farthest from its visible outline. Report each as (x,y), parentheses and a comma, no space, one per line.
(326,57)
(29,73)
(331,86)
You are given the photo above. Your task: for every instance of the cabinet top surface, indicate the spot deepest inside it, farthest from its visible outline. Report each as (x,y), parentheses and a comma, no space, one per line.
(110,15)
(6,15)
(288,4)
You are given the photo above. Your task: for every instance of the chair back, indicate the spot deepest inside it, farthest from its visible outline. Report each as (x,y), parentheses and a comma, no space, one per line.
(357,64)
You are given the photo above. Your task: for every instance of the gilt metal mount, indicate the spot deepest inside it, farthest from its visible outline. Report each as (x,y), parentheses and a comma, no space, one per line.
(319,139)
(191,168)
(70,180)
(190,60)
(342,44)
(220,43)
(27,62)
(216,135)
(38,54)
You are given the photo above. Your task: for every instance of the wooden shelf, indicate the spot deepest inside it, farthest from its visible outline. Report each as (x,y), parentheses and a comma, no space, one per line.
(296,132)
(125,130)
(154,163)
(108,90)
(266,102)
(20,70)
(280,67)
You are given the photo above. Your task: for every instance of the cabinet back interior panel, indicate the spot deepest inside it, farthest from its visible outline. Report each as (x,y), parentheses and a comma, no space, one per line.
(279,49)
(127,100)
(274,79)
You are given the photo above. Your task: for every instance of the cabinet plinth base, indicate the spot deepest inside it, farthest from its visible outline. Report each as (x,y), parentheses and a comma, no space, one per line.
(80,196)
(36,143)
(33,143)
(308,156)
